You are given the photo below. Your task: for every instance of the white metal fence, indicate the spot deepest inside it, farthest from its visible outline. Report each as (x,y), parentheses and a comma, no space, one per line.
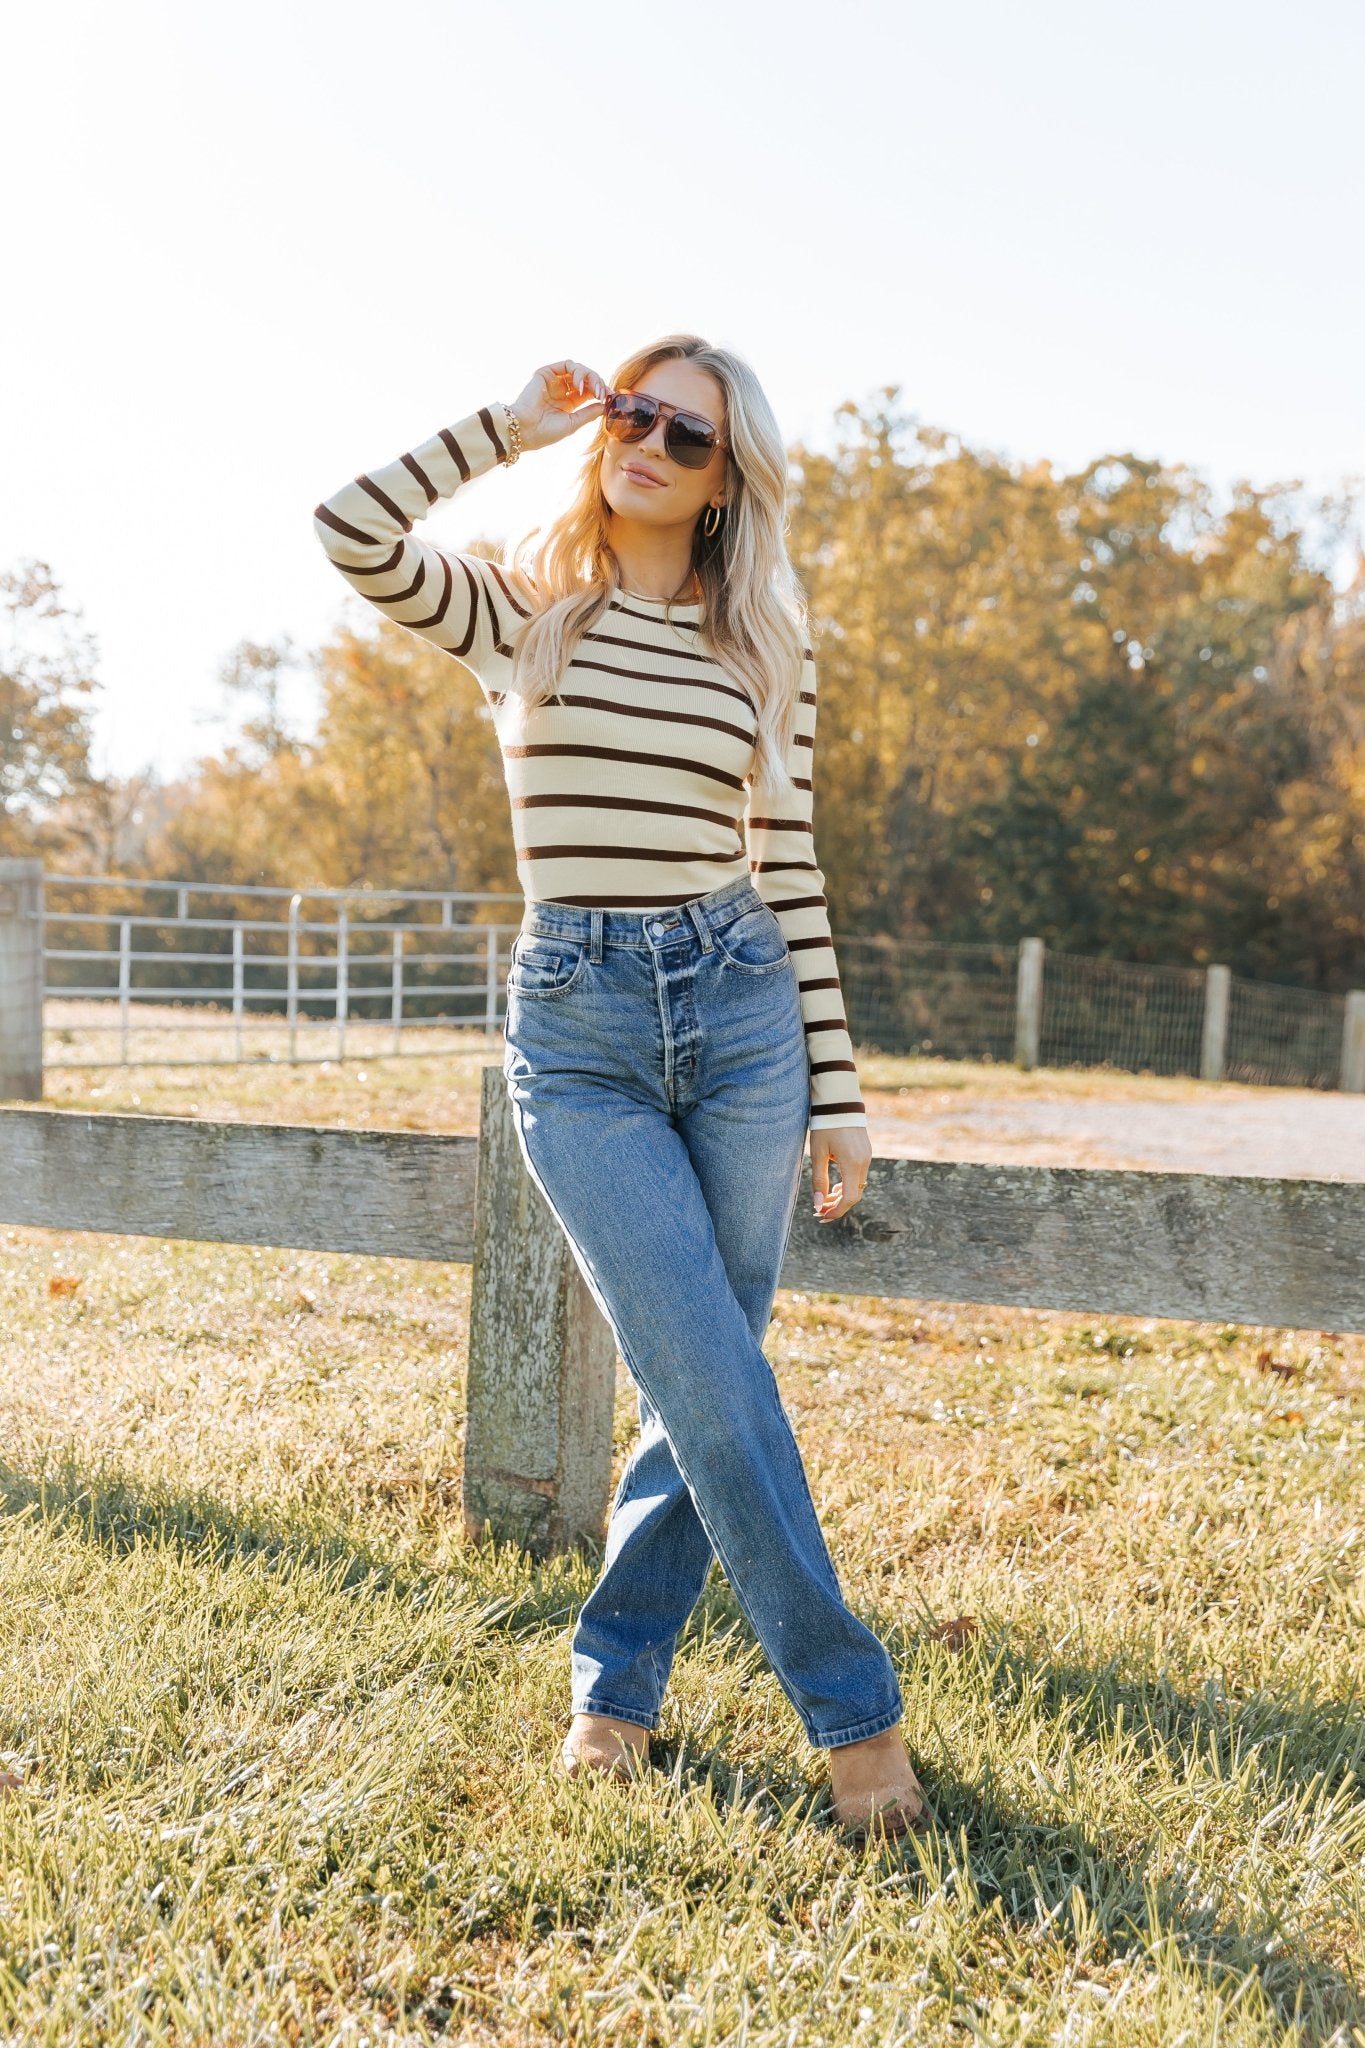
(198,973)
(247,971)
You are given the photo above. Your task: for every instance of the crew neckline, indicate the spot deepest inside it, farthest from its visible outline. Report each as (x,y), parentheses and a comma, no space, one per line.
(661,604)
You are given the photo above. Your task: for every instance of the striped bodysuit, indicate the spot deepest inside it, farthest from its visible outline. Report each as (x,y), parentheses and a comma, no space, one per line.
(629,790)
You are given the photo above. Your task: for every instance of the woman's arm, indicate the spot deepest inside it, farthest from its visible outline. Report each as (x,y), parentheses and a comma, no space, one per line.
(461,603)
(790,881)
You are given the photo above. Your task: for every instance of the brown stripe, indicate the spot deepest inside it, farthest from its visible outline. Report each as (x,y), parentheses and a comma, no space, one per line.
(401,596)
(439,614)
(824,981)
(455,452)
(795,903)
(644,675)
(832,1067)
(617,902)
(678,625)
(382,499)
(349,532)
(414,467)
(781,824)
(618,853)
(648,711)
(826,1024)
(472,580)
(499,644)
(706,768)
(777,867)
(651,647)
(486,422)
(623,803)
(835,1109)
(507,591)
(383,568)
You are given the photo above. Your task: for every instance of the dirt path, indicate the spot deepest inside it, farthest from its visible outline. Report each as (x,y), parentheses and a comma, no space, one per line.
(1296,1133)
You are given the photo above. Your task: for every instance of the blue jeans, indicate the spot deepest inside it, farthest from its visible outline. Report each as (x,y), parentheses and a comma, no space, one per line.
(657,1070)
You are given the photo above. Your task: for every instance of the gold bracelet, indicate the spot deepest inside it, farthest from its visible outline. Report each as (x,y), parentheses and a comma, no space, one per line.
(513,432)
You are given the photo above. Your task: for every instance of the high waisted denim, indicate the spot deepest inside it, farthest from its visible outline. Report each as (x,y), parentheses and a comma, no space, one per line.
(656,1065)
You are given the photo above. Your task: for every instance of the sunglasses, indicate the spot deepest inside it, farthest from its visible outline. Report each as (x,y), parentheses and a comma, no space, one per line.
(689,439)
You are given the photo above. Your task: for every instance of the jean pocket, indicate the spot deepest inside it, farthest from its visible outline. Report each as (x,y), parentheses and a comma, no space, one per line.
(544,967)
(753,942)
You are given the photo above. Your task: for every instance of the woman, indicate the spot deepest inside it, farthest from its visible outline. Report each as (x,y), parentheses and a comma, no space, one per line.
(674,1023)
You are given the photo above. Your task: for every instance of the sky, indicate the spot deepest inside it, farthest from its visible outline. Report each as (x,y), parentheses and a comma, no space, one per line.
(253,250)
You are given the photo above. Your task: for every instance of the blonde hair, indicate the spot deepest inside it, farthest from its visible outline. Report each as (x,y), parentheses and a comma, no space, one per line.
(754,614)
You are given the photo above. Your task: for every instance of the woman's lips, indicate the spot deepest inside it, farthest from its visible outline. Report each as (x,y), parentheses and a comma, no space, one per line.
(641,476)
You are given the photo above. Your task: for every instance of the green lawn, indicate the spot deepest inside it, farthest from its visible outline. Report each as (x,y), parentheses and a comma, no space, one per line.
(286,1741)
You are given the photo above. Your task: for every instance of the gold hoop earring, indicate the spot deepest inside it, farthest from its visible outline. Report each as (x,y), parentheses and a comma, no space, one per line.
(710,523)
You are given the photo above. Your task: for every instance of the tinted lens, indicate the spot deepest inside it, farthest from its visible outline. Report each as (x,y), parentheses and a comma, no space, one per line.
(690,440)
(629,418)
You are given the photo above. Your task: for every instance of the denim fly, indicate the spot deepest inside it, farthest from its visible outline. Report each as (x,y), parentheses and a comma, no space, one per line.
(657,1070)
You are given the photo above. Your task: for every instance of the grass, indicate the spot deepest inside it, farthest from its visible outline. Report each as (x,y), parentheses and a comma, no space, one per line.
(284,1737)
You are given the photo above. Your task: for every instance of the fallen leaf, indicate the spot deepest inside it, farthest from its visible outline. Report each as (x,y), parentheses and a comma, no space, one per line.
(63,1283)
(956,1634)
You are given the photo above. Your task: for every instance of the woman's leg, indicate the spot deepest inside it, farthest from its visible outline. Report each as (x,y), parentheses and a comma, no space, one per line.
(616,1167)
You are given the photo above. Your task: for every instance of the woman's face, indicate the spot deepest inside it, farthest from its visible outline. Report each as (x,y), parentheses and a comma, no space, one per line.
(662,492)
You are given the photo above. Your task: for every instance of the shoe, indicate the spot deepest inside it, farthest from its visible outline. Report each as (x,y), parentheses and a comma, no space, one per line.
(873,1788)
(607,1747)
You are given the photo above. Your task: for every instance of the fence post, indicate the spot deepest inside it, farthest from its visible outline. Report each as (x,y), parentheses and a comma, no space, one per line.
(1213,1046)
(490,981)
(238,986)
(343,1001)
(1028,1004)
(1353,1044)
(21,980)
(542,1359)
(291,1000)
(125,985)
(396,991)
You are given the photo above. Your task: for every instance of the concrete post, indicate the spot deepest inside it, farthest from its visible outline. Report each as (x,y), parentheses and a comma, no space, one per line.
(1028,1004)
(542,1360)
(21,980)
(1353,1044)
(1214,1043)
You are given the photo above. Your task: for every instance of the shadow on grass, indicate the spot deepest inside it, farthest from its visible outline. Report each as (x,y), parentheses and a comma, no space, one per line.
(1036,1869)
(118,1513)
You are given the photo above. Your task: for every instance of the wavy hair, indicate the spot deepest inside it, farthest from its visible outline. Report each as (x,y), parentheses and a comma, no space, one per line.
(754,617)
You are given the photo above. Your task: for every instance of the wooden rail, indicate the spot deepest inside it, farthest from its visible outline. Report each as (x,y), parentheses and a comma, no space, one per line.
(1289,1253)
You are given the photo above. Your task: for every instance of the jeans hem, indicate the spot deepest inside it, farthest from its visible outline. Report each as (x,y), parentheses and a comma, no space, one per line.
(631,1714)
(860,1731)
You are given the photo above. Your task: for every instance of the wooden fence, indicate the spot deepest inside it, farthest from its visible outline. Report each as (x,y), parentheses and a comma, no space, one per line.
(541,1369)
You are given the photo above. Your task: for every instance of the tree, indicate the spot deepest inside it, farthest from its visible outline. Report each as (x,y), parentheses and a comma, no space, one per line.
(47,663)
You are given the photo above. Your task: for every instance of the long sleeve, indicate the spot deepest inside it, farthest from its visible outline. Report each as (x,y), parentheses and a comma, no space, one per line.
(461,603)
(789,879)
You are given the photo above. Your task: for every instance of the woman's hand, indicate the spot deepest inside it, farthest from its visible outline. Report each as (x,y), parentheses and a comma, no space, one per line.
(850,1148)
(552,405)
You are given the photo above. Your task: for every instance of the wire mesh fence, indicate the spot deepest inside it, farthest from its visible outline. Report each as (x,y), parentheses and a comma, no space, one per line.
(1116,1013)
(1284,1036)
(916,996)
(193,973)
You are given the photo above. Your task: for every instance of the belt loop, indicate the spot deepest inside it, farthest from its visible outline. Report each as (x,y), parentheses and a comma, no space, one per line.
(595,941)
(698,918)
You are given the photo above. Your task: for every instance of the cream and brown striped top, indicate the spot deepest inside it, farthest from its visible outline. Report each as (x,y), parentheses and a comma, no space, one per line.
(629,790)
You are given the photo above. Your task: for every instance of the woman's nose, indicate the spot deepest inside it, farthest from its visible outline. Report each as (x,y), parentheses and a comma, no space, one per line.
(656,435)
